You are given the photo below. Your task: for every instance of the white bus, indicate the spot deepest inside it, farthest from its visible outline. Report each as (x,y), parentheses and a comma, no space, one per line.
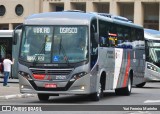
(7,47)
(152,69)
(80,53)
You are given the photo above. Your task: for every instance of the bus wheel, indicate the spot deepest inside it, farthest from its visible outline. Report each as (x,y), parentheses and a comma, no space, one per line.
(96,96)
(141,84)
(43,97)
(125,90)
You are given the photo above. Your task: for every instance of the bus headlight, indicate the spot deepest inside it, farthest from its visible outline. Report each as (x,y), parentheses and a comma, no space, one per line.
(78,75)
(25,75)
(151,67)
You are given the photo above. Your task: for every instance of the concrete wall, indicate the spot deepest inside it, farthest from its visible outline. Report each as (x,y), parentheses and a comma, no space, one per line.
(10,17)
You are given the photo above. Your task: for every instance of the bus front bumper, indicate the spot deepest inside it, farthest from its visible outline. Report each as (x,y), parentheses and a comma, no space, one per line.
(80,86)
(151,75)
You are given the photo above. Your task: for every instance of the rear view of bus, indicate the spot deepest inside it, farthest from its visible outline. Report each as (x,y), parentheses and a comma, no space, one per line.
(152,69)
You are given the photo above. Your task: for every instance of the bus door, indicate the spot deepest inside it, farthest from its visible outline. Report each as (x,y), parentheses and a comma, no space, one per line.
(5,48)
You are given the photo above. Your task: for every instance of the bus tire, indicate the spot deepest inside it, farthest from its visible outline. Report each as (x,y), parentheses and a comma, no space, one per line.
(96,96)
(126,90)
(43,97)
(141,84)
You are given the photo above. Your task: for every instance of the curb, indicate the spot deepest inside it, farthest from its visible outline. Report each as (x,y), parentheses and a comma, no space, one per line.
(10,80)
(6,97)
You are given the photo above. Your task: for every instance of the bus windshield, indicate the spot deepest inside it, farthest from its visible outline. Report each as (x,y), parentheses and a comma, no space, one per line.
(54,44)
(154,51)
(153,33)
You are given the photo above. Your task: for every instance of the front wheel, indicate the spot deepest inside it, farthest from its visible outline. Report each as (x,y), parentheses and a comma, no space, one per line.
(96,96)
(126,90)
(43,97)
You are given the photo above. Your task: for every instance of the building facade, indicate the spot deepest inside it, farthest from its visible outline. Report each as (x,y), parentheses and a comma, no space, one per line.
(141,12)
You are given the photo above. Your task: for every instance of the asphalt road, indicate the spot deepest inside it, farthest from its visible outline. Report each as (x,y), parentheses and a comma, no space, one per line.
(148,96)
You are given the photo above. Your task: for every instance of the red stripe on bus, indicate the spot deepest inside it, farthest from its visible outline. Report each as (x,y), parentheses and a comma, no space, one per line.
(127,70)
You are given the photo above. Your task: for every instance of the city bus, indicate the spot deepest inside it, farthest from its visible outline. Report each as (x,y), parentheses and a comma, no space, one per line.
(79,53)
(7,47)
(152,68)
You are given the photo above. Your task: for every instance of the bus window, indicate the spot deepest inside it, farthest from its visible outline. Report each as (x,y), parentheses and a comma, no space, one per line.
(103,33)
(94,44)
(112,35)
(138,39)
(127,38)
(133,34)
(123,38)
(120,37)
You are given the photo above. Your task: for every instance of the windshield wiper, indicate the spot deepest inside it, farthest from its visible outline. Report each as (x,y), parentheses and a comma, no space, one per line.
(39,52)
(63,52)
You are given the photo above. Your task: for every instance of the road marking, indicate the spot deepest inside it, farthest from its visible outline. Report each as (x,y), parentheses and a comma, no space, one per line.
(139,112)
(10,96)
(152,101)
(17,96)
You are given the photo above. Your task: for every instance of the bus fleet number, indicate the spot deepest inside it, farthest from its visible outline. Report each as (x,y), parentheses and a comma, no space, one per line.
(68,30)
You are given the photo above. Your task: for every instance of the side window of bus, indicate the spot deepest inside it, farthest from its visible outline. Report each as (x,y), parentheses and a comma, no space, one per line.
(133,34)
(127,38)
(103,33)
(94,43)
(141,34)
(123,37)
(120,36)
(139,39)
(112,35)
(147,51)
(134,37)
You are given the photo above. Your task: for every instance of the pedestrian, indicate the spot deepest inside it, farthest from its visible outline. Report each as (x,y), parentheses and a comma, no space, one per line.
(7,68)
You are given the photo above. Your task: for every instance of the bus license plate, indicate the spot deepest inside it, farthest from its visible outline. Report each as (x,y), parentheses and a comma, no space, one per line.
(50,85)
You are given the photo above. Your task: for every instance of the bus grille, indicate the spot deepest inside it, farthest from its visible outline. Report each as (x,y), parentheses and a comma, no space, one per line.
(51,71)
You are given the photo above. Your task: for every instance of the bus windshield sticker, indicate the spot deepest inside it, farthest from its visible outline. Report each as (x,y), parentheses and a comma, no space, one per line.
(41,30)
(48,46)
(26,48)
(56,58)
(39,57)
(68,30)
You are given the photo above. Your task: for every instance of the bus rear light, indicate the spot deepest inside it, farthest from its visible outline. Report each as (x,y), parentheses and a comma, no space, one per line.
(25,75)
(39,76)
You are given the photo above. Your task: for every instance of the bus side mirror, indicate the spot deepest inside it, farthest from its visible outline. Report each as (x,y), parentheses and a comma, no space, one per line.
(17,33)
(96,37)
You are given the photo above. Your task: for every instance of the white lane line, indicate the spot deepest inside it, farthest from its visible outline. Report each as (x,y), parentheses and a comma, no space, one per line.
(152,101)
(17,96)
(10,96)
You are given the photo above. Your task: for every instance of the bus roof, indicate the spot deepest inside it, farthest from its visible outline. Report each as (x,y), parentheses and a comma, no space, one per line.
(71,18)
(59,18)
(6,33)
(151,34)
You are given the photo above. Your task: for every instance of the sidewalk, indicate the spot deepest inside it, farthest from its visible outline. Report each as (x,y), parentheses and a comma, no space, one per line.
(12,91)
